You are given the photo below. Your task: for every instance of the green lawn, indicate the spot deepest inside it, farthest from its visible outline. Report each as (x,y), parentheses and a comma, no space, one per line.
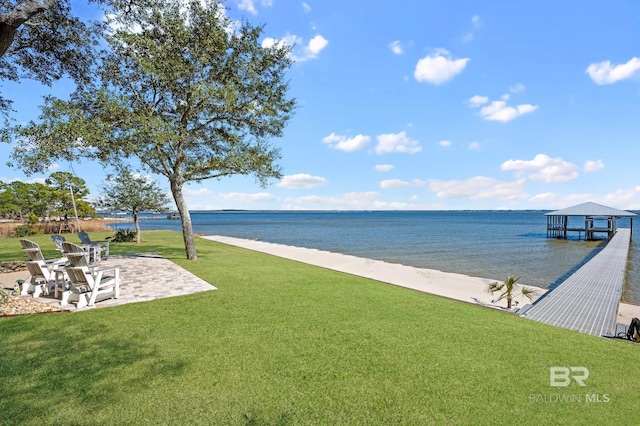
(281,342)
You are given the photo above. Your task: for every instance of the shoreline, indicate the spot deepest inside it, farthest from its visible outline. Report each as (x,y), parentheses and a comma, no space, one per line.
(445,284)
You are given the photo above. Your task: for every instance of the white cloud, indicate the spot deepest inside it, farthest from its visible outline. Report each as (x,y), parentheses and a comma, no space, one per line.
(343,143)
(315,46)
(543,168)
(604,73)
(398,142)
(473,146)
(250,5)
(394,184)
(352,201)
(248,198)
(147,177)
(545,197)
(306,7)
(196,192)
(475,23)
(302,180)
(121,21)
(37,180)
(396,47)
(289,40)
(592,166)
(383,167)
(500,111)
(301,52)
(478,100)
(626,199)
(438,67)
(517,88)
(550,200)
(16,179)
(445,144)
(397,183)
(477,188)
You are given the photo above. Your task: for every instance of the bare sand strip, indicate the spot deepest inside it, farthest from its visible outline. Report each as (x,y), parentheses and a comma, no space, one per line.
(450,285)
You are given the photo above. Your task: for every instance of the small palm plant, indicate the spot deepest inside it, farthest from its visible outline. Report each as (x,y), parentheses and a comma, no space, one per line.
(508,288)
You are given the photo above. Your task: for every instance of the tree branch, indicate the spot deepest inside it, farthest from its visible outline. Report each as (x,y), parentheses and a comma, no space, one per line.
(11,21)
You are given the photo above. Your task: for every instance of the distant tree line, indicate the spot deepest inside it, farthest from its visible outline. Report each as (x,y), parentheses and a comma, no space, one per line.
(30,202)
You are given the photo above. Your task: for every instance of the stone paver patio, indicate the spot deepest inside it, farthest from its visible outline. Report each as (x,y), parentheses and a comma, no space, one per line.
(143,277)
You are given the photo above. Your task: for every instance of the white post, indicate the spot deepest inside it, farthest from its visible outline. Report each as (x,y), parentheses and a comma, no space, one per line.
(75,210)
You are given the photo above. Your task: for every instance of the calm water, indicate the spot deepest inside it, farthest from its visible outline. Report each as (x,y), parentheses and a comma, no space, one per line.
(489,244)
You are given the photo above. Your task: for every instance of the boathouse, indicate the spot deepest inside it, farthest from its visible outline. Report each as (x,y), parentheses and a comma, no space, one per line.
(589,219)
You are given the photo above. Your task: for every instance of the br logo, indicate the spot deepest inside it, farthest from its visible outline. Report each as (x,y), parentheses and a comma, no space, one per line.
(561,376)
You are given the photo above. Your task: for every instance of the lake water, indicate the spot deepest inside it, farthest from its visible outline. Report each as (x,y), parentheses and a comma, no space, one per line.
(488,244)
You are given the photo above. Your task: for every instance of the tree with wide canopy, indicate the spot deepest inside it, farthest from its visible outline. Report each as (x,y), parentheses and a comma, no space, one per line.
(183,89)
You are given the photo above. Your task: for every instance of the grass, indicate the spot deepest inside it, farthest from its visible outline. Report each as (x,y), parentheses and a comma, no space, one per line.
(281,342)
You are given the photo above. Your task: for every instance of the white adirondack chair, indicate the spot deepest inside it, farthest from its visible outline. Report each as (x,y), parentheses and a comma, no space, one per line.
(89,285)
(33,252)
(89,253)
(41,280)
(58,240)
(100,246)
(42,272)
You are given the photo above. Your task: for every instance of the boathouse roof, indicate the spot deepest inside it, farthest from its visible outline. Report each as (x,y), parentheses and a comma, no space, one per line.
(591,209)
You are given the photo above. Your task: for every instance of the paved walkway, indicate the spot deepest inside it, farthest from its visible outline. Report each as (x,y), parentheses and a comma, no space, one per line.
(144,277)
(588,300)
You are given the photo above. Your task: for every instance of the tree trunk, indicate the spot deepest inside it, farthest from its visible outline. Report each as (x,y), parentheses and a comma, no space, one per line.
(7,34)
(185,218)
(137,226)
(10,21)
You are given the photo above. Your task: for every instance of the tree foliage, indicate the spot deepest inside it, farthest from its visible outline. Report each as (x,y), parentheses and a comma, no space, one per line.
(19,200)
(62,185)
(44,41)
(182,89)
(125,191)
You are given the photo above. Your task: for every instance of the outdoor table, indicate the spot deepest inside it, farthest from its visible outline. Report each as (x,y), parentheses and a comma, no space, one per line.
(93,252)
(60,280)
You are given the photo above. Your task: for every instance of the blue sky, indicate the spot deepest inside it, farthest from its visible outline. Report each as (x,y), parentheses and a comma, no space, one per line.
(420,104)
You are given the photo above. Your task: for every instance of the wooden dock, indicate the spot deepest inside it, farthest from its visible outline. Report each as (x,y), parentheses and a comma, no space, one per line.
(588,300)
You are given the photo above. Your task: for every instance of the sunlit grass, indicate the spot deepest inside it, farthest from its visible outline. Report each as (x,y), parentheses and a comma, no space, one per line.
(281,342)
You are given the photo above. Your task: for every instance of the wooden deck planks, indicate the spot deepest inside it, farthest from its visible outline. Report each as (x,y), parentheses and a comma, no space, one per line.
(588,300)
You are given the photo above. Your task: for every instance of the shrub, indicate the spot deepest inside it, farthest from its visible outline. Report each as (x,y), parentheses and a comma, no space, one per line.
(27,231)
(125,236)
(33,219)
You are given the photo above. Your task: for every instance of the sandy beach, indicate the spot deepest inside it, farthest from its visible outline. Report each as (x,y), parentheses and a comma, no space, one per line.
(450,285)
